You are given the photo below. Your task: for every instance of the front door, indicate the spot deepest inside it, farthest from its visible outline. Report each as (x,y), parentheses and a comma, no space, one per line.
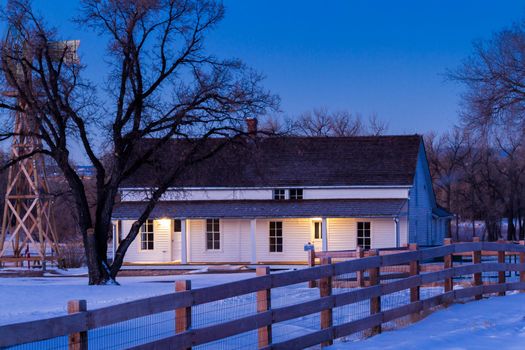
(317,235)
(176,241)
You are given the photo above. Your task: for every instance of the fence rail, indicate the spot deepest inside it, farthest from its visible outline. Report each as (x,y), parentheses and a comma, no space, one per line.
(328,276)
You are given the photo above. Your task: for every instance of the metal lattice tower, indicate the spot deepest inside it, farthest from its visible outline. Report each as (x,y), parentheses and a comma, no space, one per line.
(27,210)
(27,217)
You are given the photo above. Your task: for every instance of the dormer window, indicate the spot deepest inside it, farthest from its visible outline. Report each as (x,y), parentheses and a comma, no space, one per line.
(279,194)
(296,193)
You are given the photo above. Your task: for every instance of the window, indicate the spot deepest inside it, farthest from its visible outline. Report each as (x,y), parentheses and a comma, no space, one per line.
(177,226)
(146,236)
(296,193)
(318,230)
(276,236)
(279,194)
(363,234)
(213,235)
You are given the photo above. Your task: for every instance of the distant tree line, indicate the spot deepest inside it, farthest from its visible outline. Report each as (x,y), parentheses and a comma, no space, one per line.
(478,167)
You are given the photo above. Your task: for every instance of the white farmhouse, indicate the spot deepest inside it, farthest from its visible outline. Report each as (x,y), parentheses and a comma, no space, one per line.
(262,201)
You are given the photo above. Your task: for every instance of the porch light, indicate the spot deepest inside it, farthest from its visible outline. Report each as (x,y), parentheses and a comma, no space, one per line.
(164,222)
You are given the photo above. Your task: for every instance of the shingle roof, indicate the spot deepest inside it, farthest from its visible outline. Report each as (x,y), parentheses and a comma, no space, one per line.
(293,161)
(264,208)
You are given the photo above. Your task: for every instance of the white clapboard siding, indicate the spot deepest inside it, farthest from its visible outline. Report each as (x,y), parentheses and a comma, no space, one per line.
(342,233)
(162,243)
(235,243)
(296,233)
(383,233)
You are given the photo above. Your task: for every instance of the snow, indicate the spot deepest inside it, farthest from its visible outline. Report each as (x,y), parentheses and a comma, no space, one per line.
(498,321)
(18,302)
(493,323)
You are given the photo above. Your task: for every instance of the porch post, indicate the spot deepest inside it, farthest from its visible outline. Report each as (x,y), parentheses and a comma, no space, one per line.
(253,242)
(114,240)
(324,234)
(183,242)
(396,228)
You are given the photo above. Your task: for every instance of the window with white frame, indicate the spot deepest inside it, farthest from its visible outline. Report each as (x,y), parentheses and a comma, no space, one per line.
(213,234)
(276,236)
(363,234)
(147,236)
(296,193)
(279,194)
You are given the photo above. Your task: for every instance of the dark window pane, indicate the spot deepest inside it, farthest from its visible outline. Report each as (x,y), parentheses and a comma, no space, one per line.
(177,226)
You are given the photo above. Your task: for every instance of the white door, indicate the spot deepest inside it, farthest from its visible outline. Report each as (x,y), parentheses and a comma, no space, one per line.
(317,235)
(176,241)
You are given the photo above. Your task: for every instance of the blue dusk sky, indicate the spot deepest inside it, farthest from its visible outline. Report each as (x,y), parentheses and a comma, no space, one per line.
(383,57)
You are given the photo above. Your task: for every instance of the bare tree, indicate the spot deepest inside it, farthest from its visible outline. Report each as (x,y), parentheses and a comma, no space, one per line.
(323,122)
(162,85)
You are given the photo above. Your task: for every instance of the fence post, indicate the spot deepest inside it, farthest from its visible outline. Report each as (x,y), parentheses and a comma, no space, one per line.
(414,270)
(325,290)
(182,315)
(522,262)
(375,302)
(476,259)
(447,259)
(77,341)
(360,275)
(501,274)
(311,263)
(264,303)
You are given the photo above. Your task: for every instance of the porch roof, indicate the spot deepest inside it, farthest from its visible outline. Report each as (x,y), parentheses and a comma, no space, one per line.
(264,209)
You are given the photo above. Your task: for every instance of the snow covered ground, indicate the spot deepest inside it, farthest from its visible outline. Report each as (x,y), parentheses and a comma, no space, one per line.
(493,323)
(476,325)
(25,299)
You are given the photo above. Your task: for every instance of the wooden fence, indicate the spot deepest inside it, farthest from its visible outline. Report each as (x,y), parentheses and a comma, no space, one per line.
(80,320)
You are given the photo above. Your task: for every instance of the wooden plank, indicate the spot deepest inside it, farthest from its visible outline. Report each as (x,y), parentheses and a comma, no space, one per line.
(78,340)
(360,275)
(414,271)
(431,277)
(357,295)
(405,283)
(339,254)
(182,315)
(476,259)
(180,341)
(299,276)
(264,303)
(311,263)
(26,332)
(467,247)
(138,308)
(522,263)
(502,246)
(467,292)
(356,265)
(233,289)
(400,311)
(298,310)
(501,260)
(467,269)
(352,327)
(437,252)
(375,302)
(325,290)
(399,258)
(447,265)
(515,286)
(303,341)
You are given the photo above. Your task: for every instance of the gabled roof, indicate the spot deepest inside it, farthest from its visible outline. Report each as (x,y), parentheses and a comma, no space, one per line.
(234,209)
(293,161)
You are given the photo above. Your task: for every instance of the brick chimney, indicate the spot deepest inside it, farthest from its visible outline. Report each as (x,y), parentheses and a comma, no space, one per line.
(251,126)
